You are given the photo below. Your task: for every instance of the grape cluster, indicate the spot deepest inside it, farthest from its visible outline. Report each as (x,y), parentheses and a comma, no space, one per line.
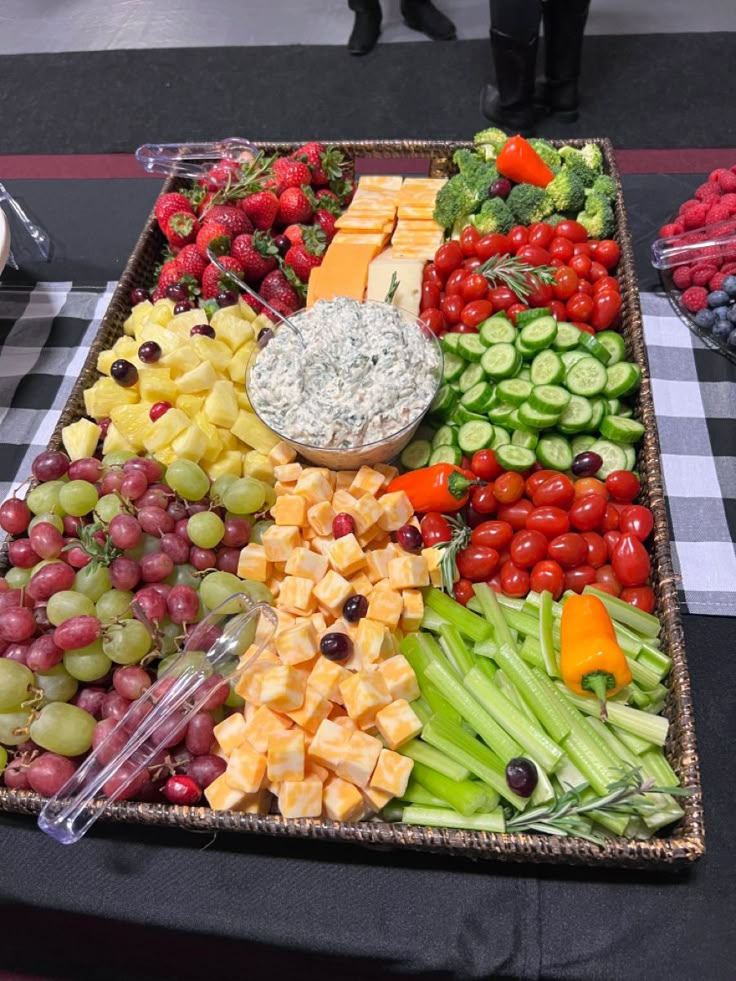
(114,561)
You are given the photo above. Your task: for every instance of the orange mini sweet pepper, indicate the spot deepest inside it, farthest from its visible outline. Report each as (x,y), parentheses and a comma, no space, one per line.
(520,162)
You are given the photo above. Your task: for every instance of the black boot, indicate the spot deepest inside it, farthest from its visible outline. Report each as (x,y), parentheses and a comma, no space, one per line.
(510,104)
(367,27)
(564,27)
(423,16)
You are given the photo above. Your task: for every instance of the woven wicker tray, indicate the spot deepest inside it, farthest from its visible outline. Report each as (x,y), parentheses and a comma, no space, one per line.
(686,842)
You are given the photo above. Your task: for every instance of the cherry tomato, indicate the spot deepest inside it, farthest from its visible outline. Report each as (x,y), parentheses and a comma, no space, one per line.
(463,590)
(534,255)
(557,490)
(565,284)
(580,577)
(587,512)
(515,309)
(477,562)
(431,296)
(509,487)
(548,575)
(606,587)
(584,248)
(551,521)
(555,262)
(448,256)
(590,485)
(585,287)
(527,548)
(433,275)
(611,539)
(623,485)
(502,298)
(557,309)
(473,517)
(518,236)
(484,500)
(568,549)
(475,312)
(464,329)
(584,327)
(474,287)
(433,318)
(493,534)
(471,264)
(607,253)
(579,307)
(514,581)
(571,230)
(516,513)
(607,284)
(455,281)
(581,264)
(561,248)
(485,465)
(541,293)
(535,480)
(642,597)
(469,238)
(490,245)
(541,234)
(597,271)
(597,551)
(636,520)
(630,561)
(606,307)
(495,583)
(611,519)
(452,308)
(606,578)
(435,528)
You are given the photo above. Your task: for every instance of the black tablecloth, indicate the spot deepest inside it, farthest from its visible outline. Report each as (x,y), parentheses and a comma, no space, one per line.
(197,906)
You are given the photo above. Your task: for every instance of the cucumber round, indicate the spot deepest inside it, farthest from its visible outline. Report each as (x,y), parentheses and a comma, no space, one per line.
(577,415)
(567,337)
(591,345)
(621,430)
(472,374)
(549,398)
(569,358)
(586,377)
(614,344)
(445,436)
(501,437)
(539,334)
(521,437)
(416,455)
(452,366)
(478,398)
(524,317)
(446,454)
(581,443)
(613,457)
(444,402)
(500,413)
(554,452)
(501,361)
(533,418)
(515,457)
(599,407)
(450,341)
(514,390)
(547,368)
(497,330)
(622,379)
(474,436)
(471,347)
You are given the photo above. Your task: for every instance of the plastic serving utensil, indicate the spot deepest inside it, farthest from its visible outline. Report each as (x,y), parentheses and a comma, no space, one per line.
(159,717)
(38,236)
(712,242)
(192,159)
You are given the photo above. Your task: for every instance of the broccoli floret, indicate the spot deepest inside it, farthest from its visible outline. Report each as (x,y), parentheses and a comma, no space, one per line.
(567,190)
(573,159)
(529,203)
(464,193)
(465,160)
(555,219)
(597,217)
(548,153)
(494,216)
(604,185)
(490,142)
(591,154)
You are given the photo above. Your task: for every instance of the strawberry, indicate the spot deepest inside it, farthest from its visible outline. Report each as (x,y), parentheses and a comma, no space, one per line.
(256,254)
(324,162)
(214,281)
(169,204)
(276,286)
(308,254)
(232,217)
(290,173)
(283,308)
(262,208)
(191,262)
(294,207)
(326,221)
(180,228)
(224,172)
(170,273)
(213,236)
(294,233)
(205,201)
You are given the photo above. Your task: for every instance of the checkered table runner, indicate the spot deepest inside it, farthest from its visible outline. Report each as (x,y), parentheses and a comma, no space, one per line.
(45,335)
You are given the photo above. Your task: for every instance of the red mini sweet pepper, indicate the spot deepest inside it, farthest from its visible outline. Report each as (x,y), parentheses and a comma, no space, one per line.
(520,162)
(442,487)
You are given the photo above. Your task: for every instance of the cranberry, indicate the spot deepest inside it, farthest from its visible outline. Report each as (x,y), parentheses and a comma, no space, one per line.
(139,295)
(354,608)
(158,409)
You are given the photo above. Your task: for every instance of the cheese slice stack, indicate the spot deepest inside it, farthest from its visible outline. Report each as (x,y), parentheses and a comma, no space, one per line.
(417,234)
(407,271)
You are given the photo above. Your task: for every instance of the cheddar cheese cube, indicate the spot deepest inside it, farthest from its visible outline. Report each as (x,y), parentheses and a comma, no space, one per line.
(321,544)
(281,454)
(249,684)
(279,541)
(375,799)
(288,473)
(253,563)
(320,517)
(314,487)
(367,481)
(413,611)
(392,773)
(396,510)
(389,473)
(434,560)
(346,556)
(364,694)
(344,478)
(408,572)
(399,677)
(398,723)
(385,605)
(345,722)
(328,745)
(360,758)
(361,584)
(343,500)
(298,595)
(366,512)
(307,564)
(245,770)
(301,798)
(285,756)
(230,733)
(320,624)
(332,592)
(342,801)
(313,769)
(297,644)
(315,709)
(369,640)
(262,724)
(290,509)
(326,678)
(377,561)
(222,797)
(283,688)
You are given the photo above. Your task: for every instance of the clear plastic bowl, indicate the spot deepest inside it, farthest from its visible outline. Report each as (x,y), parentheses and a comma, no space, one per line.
(366,454)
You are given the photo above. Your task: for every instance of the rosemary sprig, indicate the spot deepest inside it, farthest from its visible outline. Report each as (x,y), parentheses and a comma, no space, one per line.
(460,540)
(517,275)
(252,180)
(100,554)
(392,287)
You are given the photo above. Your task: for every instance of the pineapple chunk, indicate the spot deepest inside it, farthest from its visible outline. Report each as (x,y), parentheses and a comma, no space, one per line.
(104,395)
(253,432)
(237,368)
(132,422)
(162,312)
(124,347)
(80,439)
(221,406)
(138,315)
(215,444)
(231,328)
(182,323)
(181,359)
(165,429)
(246,310)
(156,385)
(199,379)
(217,353)
(257,465)
(229,462)
(191,404)
(190,444)
(149,331)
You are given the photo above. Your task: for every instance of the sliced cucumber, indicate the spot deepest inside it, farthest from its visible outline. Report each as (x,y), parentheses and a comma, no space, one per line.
(539,334)
(547,368)
(549,398)
(533,418)
(497,330)
(623,379)
(515,457)
(569,358)
(613,457)
(614,344)
(471,347)
(445,436)
(599,411)
(527,440)
(444,402)
(474,436)
(461,415)
(590,344)
(586,377)
(581,443)
(452,367)
(576,416)
(501,361)
(567,337)
(471,376)
(524,373)
(524,350)
(613,407)
(622,430)
(524,317)
(450,341)
(630,453)
(478,398)
(554,452)
(416,455)
(446,454)
(501,437)
(514,390)
(500,413)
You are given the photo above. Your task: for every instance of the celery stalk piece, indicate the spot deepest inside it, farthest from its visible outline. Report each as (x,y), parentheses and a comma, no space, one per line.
(544,791)
(655,660)
(532,738)
(656,708)
(545,635)
(534,694)
(493,797)
(597,775)
(464,796)
(487,728)
(422,752)
(636,744)
(644,677)
(415,793)
(486,648)
(438,817)
(568,775)
(486,667)
(456,649)
(510,602)
(423,709)
(637,829)
(493,613)
(643,623)
(615,823)
(431,620)
(474,605)
(512,694)
(653,728)
(393,812)
(450,610)
(415,653)
(660,818)
(438,703)
(469,752)
(638,698)
(531,652)
(615,745)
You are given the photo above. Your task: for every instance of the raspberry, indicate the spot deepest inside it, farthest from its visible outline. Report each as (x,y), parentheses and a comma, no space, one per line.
(729,268)
(687,205)
(695,217)
(694,299)
(729,201)
(707,190)
(717,212)
(715,175)
(667,230)
(727,181)
(716,281)
(683,277)
(701,274)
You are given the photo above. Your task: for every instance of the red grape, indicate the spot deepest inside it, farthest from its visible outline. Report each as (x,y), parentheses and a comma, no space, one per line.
(171,730)
(89,468)
(133,484)
(202,558)
(17,624)
(77,632)
(15,774)
(14,597)
(178,511)
(155,521)
(206,769)
(22,554)
(44,654)
(199,736)
(154,497)
(125,573)
(111,482)
(214,685)
(123,785)
(151,603)
(17,652)
(176,548)
(237,532)
(72,524)
(182,604)
(47,540)
(182,790)
(125,531)
(155,567)
(343,524)
(50,465)
(228,560)
(77,557)
(151,468)
(48,773)
(114,707)
(15,516)
(181,529)
(90,699)
(131,681)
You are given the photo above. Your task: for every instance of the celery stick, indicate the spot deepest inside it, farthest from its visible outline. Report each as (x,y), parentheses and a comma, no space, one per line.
(455,648)
(655,660)
(615,745)
(493,798)
(635,743)
(486,667)
(423,709)
(637,829)
(438,703)
(597,775)
(645,678)
(469,752)
(474,605)
(393,811)
(656,708)
(535,696)
(415,653)
(431,620)
(486,648)
(422,752)
(494,615)
(462,795)
(450,610)
(510,602)
(531,736)
(531,652)
(650,727)
(544,791)
(512,694)
(568,775)
(660,818)
(616,823)
(643,623)
(437,817)
(526,625)
(605,749)
(545,635)
(473,713)
(659,693)
(415,793)
(639,698)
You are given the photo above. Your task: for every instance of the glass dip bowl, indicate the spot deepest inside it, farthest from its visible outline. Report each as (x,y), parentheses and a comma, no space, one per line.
(374,390)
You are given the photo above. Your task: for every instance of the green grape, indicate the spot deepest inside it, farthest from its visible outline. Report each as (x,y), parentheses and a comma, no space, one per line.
(245,496)
(234,700)
(87,663)
(15,679)
(78,497)
(176,664)
(63,729)
(56,684)
(108,506)
(116,459)
(3,758)
(184,575)
(205,529)
(18,578)
(66,604)
(222,483)
(150,544)
(216,587)
(256,534)
(270,497)
(114,604)
(187,479)
(52,519)
(127,642)
(44,499)
(169,640)
(44,562)
(257,592)
(240,639)
(10,722)
(93,582)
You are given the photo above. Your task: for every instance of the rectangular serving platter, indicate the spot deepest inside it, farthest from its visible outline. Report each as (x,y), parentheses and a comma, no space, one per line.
(686,841)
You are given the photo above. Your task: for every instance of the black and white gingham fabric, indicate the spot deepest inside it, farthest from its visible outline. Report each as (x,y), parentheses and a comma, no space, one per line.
(46,333)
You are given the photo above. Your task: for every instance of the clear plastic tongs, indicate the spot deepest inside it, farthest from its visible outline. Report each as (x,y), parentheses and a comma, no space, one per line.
(711,242)
(159,717)
(37,235)
(193,159)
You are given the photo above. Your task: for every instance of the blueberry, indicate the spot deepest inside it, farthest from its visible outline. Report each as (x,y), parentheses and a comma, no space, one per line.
(732,314)
(729,285)
(718,298)
(722,329)
(705,319)
(722,312)
(732,339)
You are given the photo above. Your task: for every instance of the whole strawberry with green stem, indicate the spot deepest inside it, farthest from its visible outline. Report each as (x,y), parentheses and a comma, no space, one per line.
(214,236)
(294,207)
(256,253)
(181,228)
(278,286)
(261,208)
(170,204)
(231,216)
(192,262)
(325,162)
(169,274)
(307,254)
(214,281)
(290,173)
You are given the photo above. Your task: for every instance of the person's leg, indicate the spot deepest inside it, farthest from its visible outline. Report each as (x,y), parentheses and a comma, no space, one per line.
(367,26)
(514,41)
(423,16)
(564,27)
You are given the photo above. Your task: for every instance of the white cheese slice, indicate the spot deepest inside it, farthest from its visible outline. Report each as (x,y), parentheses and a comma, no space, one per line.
(409,274)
